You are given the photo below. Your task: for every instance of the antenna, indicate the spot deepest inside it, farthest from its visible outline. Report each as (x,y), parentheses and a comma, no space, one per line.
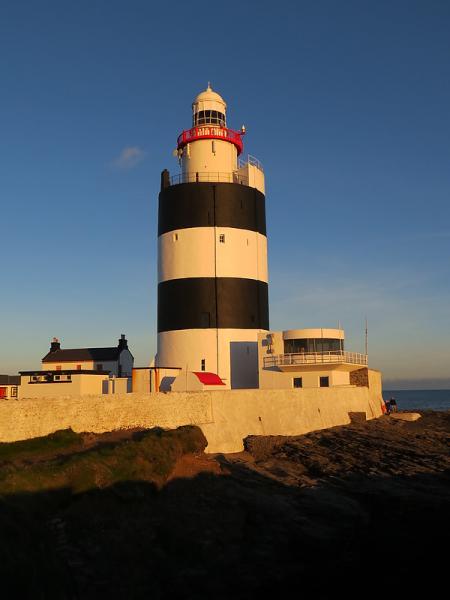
(366,338)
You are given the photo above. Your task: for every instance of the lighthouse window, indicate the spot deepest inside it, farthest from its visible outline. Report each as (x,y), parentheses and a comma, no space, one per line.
(210,117)
(203,364)
(222,238)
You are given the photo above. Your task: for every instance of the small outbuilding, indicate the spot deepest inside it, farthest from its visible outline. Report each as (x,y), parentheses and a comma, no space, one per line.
(196,381)
(307,358)
(9,387)
(80,371)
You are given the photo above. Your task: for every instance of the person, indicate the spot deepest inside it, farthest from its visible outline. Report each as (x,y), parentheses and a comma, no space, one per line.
(387,404)
(392,405)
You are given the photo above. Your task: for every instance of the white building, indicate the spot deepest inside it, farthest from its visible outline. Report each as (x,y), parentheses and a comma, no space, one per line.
(308,358)
(116,360)
(80,371)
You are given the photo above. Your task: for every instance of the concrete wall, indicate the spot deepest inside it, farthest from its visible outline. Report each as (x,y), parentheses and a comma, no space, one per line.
(274,378)
(226,417)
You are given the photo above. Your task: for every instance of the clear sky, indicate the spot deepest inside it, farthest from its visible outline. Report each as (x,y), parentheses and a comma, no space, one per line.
(346,104)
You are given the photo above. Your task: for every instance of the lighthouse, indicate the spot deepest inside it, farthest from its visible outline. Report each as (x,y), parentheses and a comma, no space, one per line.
(212,252)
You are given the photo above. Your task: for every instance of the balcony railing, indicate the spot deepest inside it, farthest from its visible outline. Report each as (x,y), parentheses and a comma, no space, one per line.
(251,160)
(211,132)
(315,358)
(201,177)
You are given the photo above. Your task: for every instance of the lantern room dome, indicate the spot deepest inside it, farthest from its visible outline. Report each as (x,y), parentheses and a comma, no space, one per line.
(209,95)
(209,108)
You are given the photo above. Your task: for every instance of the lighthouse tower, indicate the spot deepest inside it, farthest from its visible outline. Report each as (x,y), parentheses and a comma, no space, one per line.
(212,252)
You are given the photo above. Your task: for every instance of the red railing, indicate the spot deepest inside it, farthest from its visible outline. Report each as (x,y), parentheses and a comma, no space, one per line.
(211,132)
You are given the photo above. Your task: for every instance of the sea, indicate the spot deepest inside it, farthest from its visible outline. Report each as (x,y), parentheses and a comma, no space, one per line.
(420,399)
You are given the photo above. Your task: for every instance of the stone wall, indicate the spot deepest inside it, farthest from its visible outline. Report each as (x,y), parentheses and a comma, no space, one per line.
(360,377)
(226,417)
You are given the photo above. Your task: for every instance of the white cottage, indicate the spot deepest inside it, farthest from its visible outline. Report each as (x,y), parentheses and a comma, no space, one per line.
(117,360)
(80,371)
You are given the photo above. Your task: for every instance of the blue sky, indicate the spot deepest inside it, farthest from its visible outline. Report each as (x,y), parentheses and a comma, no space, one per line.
(346,104)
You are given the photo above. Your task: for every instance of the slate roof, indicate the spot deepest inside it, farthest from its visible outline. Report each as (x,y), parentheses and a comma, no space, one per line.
(9,379)
(83,354)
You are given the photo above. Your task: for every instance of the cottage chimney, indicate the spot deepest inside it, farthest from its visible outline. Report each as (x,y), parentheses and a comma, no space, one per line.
(55,345)
(123,342)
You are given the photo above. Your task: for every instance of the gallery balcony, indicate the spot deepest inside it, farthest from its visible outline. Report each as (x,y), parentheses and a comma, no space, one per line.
(291,362)
(209,177)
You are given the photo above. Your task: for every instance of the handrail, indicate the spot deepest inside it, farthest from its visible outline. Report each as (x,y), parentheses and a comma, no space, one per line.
(202,177)
(314,358)
(250,160)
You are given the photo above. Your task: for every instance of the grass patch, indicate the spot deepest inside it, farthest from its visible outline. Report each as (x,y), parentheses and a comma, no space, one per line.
(49,445)
(148,456)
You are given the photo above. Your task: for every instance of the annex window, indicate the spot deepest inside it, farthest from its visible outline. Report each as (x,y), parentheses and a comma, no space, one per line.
(69,377)
(203,364)
(222,238)
(78,367)
(13,392)
(324,381)
(297,382)
(57,377)
(58,367)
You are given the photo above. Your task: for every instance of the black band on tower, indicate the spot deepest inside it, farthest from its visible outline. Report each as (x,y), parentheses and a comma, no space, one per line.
(208,302)
(211,205)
